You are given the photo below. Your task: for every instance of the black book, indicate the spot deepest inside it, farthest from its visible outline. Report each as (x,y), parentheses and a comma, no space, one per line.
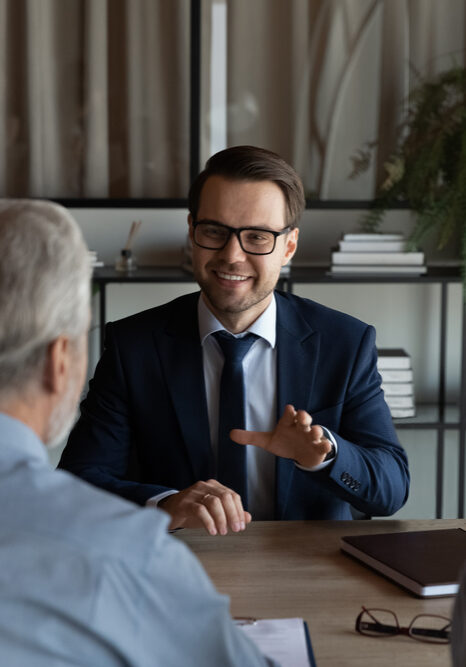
(426,562)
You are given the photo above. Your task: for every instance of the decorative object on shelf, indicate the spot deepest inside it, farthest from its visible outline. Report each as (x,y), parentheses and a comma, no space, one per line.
(428,165)
(394,366)
(376,254)
(126,260)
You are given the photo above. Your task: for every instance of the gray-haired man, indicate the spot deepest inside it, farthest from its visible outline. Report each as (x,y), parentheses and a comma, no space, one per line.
(86,577)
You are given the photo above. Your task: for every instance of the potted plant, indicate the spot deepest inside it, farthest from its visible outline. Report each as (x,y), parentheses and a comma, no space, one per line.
(428,166)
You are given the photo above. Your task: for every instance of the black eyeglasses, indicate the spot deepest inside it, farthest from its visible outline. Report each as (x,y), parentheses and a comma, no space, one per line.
(384,623)
(253,240)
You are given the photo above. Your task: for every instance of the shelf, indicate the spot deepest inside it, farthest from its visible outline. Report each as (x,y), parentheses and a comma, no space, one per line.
(143,274)
(321,274)
(428,416)
(298,274)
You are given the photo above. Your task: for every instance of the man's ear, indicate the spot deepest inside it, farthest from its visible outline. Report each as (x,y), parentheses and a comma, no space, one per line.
(291,245)
(57,365)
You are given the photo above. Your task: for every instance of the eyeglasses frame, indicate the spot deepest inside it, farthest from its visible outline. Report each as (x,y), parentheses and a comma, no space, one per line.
(400,629)
(237,233)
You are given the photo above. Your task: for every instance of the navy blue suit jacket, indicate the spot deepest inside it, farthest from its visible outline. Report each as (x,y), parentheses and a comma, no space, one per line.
(144,428)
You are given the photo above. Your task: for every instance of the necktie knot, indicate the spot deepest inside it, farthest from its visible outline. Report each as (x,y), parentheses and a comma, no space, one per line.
(234,349)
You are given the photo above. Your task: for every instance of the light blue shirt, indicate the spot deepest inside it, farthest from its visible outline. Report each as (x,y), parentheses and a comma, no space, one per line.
(86,578)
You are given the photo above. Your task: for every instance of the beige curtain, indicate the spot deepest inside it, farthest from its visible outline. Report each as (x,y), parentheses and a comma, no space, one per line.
(94,94)
(316,79)
(94,98)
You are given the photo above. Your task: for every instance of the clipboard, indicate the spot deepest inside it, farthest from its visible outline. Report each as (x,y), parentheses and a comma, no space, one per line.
(286,640)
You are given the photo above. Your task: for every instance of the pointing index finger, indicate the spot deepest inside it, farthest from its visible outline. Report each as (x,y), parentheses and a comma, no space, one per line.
(257,438)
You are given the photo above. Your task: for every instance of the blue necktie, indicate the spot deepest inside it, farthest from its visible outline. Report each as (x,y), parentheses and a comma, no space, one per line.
(231,468)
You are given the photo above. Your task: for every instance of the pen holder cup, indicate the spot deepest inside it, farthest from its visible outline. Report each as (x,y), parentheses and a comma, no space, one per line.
(126,261)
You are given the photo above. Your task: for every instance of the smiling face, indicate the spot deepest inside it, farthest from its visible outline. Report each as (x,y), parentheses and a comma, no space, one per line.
(237,286)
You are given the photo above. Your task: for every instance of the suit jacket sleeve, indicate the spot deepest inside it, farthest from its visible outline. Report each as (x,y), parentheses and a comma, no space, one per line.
(328,367)
(371,468)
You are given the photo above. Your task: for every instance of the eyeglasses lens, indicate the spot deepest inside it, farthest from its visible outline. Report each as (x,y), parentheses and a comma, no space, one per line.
(257,241)
(378,623)
(434,629)
(212,236)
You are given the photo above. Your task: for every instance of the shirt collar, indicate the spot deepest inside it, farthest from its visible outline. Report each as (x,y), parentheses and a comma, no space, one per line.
(20,439)
(264,326)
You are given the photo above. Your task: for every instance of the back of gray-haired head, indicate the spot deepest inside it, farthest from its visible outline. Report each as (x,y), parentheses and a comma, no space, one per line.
(44,287)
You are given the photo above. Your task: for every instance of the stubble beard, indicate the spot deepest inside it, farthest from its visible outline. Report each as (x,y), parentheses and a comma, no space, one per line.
(224,305)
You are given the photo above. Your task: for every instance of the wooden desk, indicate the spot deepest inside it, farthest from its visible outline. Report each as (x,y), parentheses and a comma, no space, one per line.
(295,568)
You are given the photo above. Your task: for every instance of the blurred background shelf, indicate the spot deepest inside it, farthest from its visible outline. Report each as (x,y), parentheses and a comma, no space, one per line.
(429,415)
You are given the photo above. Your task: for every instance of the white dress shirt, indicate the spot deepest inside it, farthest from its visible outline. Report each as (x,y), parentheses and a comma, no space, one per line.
(259,370)
(260,379)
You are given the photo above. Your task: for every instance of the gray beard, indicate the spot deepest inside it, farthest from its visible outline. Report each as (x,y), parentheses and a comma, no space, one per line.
(62,418)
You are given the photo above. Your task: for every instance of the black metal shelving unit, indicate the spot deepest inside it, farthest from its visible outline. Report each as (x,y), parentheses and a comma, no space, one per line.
(440,421)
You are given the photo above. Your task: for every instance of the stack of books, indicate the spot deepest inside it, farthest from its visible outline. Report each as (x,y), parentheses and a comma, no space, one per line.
(95,261)
(376,254)
(394,365)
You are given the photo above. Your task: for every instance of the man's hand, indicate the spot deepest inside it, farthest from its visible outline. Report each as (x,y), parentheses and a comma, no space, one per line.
(209,505)
(294,437)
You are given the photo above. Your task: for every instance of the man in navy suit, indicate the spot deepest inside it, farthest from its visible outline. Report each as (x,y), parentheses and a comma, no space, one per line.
(319,443)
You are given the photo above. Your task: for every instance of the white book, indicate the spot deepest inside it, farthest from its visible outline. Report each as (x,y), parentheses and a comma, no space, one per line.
(376,236)
(402,413)
(399,401)
(374,258)
(399,270)
(390,375)
(372,246)
(398,388)
(393,358)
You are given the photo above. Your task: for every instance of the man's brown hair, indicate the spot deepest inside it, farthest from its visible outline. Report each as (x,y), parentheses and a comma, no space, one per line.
(250,163)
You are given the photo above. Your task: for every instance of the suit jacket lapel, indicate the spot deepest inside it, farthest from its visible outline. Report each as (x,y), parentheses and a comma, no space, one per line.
(181,358)
(297,357)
